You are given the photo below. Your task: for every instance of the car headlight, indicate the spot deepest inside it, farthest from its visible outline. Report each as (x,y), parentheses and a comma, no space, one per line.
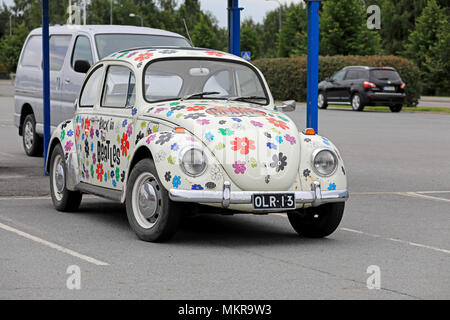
(193,161)
(324,162)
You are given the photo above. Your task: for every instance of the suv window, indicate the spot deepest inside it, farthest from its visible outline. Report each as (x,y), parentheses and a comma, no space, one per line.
(90,88)
(58,51)
(384,74)
(120,88)
(32,54)
(354,74)
(339,76)
(82,50)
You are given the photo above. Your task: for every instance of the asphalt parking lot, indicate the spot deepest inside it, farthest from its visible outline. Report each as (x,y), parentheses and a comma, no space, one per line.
(398,218)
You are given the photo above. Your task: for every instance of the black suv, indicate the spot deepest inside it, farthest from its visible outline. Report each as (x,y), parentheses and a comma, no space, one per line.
(363,86)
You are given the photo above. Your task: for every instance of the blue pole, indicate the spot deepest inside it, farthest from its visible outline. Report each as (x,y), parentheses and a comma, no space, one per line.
(234,19)
(313,65)
(46,77)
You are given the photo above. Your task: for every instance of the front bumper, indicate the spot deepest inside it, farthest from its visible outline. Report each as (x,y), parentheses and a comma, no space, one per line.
(315,197)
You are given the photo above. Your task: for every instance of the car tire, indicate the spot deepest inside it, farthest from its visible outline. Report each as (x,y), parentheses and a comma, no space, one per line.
(153,221)
(63,199)
(32,142)
(322,101)
(396,108)
(357,104)
(317,222)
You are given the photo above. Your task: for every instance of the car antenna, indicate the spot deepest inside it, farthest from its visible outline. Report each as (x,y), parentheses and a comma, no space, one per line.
(187,31)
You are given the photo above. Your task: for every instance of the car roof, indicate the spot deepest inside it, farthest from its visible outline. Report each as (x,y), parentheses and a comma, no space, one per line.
(101,29)
(369,68)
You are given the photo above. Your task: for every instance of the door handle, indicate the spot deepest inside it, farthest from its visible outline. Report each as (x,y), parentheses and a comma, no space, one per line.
(67,81)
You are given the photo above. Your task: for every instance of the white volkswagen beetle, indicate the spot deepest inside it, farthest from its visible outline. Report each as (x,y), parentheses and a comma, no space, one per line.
(158,127)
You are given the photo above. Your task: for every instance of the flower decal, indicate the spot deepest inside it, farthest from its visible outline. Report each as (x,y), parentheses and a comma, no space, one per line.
(133,111)
(151,138)
(196,108)
(144,56)
(63,134)
(256,123)
(279,162)
(332,186)
(164,137)
(176,181)
(239,167)
(70,133)
(215,173)
(139,136)
(243,144)
(124,145)
(68,146)
(306,173)
(197,187)
(209,136)
(215,53)
(290,139)
(130,130)
(203,122)
(168,176)
(278,123)
(99,172)
(226,132)
(175,147)
(210,185)
(271,145)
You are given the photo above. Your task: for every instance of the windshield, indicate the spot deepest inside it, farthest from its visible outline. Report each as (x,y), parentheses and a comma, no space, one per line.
(381,74)
(110,43)
(205,79)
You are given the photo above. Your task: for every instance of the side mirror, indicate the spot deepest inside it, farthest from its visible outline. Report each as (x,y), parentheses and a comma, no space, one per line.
(82,66)
(287,106)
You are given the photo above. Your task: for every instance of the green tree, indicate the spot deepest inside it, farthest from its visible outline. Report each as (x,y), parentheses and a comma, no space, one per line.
(250,38)
(343,29)
(428,46)
(203,34)
(11,46)
(293,34)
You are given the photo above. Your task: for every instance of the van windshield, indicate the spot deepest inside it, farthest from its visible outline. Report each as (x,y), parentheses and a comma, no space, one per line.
(110,43)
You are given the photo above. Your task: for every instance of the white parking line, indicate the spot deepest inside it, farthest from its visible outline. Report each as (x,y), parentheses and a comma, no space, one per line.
(418,195)
(53,245)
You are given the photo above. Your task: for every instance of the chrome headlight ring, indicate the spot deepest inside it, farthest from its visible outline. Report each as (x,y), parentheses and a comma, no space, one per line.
(313,161)
(184,152)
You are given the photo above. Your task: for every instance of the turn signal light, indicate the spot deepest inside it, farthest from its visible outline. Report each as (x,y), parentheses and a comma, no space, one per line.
(403,86)
(179,130)
(368,84)
(310,132)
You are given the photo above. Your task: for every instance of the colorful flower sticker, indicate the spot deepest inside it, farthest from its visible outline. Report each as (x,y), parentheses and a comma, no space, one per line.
(215,53)
(332,186)
(209,136)
(196,187)
(99,172)
(244,145)
(124,144)
(144,56)
(290,139)
(278,123)
(226,132)
(176,181)
(68,146)
(271,145)
(239,167)
(279,162)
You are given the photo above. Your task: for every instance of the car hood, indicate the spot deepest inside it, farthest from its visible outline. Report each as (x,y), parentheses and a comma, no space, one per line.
(258,148)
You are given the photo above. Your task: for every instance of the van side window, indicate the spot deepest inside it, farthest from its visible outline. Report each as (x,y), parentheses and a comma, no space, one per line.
(58,51)
(91,87)
(82,51)
(32,54)
(120,88)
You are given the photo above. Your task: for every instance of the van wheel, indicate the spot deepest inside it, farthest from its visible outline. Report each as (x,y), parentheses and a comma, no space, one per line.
(151,214)
(322,101)
(317,222)
(357,104)
(63,199)
(396,108)
(32,142)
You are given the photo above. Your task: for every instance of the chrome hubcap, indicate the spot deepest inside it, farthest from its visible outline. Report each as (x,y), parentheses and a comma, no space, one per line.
(59,180)
(356,102)
(320,100)
(146,200)
(28,135)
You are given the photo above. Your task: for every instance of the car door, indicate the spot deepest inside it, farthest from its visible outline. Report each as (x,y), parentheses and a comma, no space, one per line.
(350,78)
(71,80)
(117,120)
(59,45)
(86,125)
(334,90)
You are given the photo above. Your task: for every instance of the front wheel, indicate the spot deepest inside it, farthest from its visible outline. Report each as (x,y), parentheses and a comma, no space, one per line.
(357,104)
(63,199)
(151,214)
(396,108)
(322,101)
(317,222)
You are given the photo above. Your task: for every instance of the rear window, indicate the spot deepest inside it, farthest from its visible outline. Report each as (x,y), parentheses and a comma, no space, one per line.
(381,74)
(110,43)
(32,54)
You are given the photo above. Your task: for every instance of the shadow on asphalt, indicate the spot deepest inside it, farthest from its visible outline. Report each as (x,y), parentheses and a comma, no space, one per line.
(209,229)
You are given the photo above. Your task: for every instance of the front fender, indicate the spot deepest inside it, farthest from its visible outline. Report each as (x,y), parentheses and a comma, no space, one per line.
(310,143)
(165,147)
(64,134)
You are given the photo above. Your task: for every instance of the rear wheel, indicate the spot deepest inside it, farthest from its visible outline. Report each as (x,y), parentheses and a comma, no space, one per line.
(396,108)
(63,199)
(32,142)
(357,104)
(317,222)
(151,214)
(322,101)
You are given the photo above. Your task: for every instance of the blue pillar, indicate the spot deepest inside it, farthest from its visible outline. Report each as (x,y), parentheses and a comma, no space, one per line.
(234,27)
(46,76)
(313,64)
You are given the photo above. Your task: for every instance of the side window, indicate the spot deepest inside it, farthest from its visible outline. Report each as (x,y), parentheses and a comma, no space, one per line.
(162,85)
(120,89)
(82,50)
(248,84)
(58,51)
(220,82)
(32,54)
(352,75)
(339,76)
(91,88)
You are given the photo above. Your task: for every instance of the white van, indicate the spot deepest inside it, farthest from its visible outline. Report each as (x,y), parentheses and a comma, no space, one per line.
(73,49)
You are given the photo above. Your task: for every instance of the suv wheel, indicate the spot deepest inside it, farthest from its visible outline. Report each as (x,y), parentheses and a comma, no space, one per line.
(357,104)
(322,101)
(396,108)
(32,142)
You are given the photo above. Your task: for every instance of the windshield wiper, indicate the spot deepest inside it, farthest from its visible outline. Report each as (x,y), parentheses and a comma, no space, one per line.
(248,98)
(199,94)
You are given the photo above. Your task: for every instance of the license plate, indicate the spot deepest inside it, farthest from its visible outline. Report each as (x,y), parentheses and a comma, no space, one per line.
(389,88)
(273,201)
